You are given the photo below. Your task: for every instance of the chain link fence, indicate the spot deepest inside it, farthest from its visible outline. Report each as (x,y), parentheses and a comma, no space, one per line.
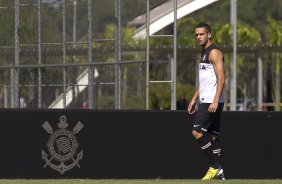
(82,54)
(70,54)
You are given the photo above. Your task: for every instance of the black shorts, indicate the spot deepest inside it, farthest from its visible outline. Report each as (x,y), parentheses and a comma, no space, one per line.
(208,122)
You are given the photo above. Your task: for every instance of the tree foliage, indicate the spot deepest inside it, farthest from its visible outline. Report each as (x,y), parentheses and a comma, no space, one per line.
(246,34)
(274,30)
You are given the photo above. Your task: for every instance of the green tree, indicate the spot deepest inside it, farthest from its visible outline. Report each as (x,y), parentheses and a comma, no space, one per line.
(246,35)
(274,36)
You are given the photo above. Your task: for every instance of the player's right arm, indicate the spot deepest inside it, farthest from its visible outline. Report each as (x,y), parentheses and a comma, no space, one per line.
(192,104)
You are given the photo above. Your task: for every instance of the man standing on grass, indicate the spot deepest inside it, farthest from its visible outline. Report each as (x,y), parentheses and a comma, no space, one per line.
(206,127)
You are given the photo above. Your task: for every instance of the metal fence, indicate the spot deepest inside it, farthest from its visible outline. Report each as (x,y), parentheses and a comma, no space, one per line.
(54,55)
(76,54)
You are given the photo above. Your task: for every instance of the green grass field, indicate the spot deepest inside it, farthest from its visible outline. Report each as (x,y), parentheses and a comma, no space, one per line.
(135,181)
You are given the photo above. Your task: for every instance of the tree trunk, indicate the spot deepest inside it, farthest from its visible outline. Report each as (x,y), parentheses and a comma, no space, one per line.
(277,83)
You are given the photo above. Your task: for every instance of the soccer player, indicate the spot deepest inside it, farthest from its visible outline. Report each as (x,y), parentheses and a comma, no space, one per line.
(209,94)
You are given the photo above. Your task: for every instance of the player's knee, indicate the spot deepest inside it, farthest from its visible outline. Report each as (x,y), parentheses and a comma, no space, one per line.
(197,134)
(213,138)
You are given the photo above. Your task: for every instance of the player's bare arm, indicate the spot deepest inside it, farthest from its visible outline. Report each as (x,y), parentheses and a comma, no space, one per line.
(216,59)
(191,106)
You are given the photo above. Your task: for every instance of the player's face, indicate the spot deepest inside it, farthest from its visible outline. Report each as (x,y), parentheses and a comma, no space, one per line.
(202,35)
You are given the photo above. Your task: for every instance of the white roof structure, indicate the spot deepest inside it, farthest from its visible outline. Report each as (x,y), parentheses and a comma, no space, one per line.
(82,82)
(163,15)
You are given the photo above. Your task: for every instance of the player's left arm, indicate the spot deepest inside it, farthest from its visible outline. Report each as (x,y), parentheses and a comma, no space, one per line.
(216,59)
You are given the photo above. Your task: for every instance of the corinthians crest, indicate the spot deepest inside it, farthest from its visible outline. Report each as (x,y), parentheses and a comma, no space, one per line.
(62,146)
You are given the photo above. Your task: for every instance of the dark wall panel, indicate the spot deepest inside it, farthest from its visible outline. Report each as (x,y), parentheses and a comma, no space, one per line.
(252,144)
(136,144)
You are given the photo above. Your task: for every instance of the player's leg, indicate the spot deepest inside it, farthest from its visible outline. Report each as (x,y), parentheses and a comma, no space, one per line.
(204,142)
(214,131)
(200,132)
(215,170)
(205,131)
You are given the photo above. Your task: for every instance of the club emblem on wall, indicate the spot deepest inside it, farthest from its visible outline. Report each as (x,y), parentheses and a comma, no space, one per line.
(62,146)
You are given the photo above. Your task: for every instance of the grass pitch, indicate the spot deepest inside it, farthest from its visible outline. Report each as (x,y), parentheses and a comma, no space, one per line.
(134,181)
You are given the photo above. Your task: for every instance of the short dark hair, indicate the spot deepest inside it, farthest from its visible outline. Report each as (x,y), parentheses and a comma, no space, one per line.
(204,25)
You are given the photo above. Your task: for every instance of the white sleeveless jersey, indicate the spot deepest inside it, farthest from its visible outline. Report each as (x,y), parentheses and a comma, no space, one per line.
(207,78)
